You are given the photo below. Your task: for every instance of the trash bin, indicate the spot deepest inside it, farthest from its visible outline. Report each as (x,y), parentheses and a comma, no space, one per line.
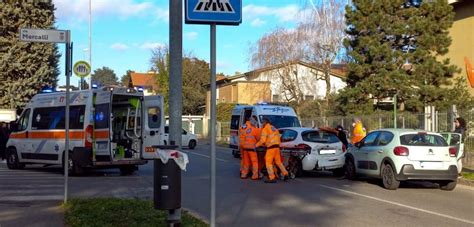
(167,181)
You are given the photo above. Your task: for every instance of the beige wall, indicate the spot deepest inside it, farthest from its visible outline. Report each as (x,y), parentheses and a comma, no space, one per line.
(462,34)
(253,92)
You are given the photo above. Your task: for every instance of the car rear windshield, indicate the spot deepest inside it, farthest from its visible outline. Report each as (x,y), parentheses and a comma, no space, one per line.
(422,139)
(280,121)
(319,137)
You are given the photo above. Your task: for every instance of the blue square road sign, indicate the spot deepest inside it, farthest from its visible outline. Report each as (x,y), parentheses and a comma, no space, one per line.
(225,12)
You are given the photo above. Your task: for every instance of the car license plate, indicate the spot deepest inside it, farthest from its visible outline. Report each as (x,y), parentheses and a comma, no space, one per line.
(327,151)
(431,165)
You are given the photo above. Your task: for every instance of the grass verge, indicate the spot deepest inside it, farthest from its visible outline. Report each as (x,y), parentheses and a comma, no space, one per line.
(469,176)
(119,212)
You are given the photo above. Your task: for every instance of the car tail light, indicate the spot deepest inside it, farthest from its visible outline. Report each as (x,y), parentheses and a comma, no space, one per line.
(453,151)
(401,151)
(344,148)
(88,137)
(304,147)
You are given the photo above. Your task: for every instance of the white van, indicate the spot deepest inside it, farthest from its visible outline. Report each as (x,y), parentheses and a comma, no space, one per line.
(279,116)
(109,127)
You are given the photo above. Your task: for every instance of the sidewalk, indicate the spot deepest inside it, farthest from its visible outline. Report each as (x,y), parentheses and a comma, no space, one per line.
(37,213)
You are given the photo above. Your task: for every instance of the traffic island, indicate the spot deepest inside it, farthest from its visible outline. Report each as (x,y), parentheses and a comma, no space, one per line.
(119,212)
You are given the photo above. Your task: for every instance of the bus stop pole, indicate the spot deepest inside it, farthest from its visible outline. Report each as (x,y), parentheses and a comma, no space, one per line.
(213,125)
(66,117)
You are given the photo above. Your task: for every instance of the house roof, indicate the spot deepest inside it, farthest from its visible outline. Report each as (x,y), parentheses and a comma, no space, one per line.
(338,70)
(143,80)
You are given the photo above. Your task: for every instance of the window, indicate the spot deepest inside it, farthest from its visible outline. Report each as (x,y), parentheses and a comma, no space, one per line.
(319,137)
(102,116)
(53,118)
(288,135)
(280,121)
(423,139)
(309,97)
(154,117)
(234,122)
(23,121)
(370,139)
(276,98)
(385,138)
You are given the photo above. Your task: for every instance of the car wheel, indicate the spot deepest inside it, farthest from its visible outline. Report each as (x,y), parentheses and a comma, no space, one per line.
(12,160)
(192,144)
(388,178)
(350,169)
(338,172)
(74,169)
(448,185)
(127,170)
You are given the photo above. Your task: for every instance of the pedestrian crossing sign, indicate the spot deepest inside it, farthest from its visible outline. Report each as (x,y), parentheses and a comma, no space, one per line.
(225,12)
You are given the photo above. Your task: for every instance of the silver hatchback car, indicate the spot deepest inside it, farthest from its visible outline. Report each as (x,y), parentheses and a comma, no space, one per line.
(396,155)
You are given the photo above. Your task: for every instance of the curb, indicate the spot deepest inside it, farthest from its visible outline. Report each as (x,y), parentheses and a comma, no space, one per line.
(466,182)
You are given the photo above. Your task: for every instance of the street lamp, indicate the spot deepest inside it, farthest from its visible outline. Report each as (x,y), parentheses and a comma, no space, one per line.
(394,93)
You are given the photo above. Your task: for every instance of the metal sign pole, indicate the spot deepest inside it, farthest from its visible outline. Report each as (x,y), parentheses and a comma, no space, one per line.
(213,125)
(66,117)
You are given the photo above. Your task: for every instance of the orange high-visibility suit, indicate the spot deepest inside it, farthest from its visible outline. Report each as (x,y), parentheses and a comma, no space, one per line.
(270,138)
(358,133)
(244,154)
(252,135)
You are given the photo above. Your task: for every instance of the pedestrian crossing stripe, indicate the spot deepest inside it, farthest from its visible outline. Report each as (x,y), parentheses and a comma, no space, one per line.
(214,6)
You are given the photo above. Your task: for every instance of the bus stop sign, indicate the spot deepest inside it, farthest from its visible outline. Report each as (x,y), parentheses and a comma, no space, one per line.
(224,12)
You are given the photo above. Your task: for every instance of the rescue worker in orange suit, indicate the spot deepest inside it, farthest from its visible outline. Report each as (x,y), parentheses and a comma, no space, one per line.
(359,132)
(270,138)
(244,154)
(252,136)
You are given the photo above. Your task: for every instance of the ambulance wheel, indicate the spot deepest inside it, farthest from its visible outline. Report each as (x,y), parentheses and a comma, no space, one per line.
(12,159)
(127,170)
(73,169)
(192,144)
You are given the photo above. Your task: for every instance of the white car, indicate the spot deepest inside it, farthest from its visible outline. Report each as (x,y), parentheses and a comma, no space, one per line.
(316,150)
(396,155)
(187,139)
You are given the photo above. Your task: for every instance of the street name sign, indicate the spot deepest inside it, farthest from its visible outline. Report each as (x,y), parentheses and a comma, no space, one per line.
(225,12)
(43,35)
(81,69)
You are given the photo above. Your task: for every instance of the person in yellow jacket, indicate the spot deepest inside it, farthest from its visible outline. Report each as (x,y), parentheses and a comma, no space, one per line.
(270,138)
(359,132)
(252,136)
(244,154)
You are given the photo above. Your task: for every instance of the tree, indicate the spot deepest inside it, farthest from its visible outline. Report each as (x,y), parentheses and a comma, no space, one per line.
(281,47)
(26,67)
(104,77)
(392,48)
(124,81)
(323,31)
(195,78)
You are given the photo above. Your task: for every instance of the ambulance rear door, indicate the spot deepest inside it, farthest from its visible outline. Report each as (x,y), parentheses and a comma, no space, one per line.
(153,130)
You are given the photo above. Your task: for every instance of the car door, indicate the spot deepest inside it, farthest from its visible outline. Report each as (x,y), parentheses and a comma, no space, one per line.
(153,130)
(361,153)
(377,152)
(184,138)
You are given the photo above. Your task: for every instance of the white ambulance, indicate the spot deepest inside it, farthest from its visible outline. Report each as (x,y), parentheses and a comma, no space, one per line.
(279,116)
(109,128)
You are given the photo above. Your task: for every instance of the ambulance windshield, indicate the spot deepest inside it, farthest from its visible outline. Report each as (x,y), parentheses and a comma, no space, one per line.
(281,121)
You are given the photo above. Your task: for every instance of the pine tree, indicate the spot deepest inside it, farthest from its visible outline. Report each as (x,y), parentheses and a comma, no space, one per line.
(397,47)
(104,77)
(26,67)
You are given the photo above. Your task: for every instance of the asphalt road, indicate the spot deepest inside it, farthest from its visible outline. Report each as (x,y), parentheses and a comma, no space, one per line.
(316,200)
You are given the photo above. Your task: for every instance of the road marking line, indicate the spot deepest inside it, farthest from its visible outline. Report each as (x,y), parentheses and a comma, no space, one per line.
(223,160)
(32,198)
(399,204)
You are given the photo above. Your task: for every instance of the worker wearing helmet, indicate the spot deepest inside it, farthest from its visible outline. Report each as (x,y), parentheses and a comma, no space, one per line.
(252,136)
(270,138)
(245,158)
(359,131)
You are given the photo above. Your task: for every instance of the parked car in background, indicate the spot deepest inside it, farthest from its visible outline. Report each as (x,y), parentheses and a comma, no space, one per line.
(396,155)
(314,150)
(187,139)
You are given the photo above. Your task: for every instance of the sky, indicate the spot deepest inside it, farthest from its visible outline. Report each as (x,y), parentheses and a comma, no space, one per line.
(125,31)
